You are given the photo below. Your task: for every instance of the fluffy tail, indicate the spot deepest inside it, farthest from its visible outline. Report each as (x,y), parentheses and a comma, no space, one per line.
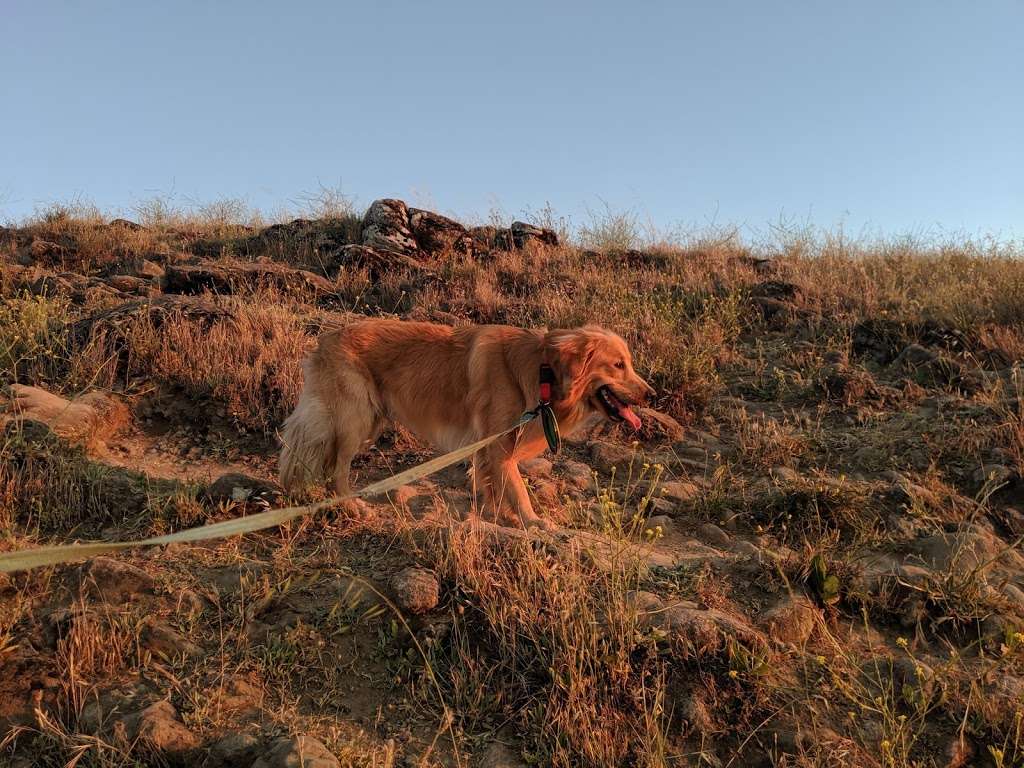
(308,450)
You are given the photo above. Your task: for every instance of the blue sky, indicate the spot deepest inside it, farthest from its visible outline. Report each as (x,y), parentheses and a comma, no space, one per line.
(894,117)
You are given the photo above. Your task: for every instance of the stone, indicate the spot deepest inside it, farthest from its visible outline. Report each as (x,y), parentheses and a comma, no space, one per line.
(497,755)
(791,620)
(679,491)
(126,224)
(910,681)
(712,534)
(695,714)
(659,426)
(225,277)
(664,522)
(158,727)
(608,456)
(386,226)
(435,234)
(538,467)
(525,235)
(965,550)
(578,475)
(699,631)
(416,590)
(89,419)
(114,581)
(235,749)
(239,487)
(915,356)
(166,641)
(298,752)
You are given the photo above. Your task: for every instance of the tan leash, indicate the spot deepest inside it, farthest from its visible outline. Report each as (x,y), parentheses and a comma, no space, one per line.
(34,558)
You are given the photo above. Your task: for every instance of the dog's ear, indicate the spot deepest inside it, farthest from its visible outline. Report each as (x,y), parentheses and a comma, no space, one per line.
(569,353)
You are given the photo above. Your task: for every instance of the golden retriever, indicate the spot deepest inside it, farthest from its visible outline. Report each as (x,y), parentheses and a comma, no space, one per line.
(453,386)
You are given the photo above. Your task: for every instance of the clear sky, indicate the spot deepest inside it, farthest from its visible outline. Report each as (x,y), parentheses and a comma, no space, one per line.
(894,116)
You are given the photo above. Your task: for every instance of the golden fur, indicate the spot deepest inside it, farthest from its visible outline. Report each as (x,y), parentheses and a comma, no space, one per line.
(452,386)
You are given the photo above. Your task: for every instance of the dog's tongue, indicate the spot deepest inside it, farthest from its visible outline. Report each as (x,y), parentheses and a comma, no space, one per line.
(627,413)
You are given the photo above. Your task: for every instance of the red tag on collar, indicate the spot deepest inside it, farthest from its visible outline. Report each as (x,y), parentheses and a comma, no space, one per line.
(545,392)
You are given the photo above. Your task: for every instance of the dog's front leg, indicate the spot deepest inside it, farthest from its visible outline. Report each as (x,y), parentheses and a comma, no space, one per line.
(507,492)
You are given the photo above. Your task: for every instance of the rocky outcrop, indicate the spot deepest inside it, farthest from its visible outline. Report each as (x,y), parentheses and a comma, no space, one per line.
(228,278)
(392,227)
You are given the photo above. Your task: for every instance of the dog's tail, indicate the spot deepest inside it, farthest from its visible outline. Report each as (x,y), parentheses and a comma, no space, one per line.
(307,438)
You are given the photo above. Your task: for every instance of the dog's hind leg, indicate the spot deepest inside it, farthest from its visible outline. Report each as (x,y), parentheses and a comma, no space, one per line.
(357,419)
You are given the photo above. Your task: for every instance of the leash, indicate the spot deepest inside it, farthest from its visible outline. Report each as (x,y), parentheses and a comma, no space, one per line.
(34,558)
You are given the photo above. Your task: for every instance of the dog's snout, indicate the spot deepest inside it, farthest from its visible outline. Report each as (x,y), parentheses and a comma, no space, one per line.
(646,390)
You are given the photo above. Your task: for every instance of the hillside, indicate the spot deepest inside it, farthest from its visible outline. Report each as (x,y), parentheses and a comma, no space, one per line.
(810,556)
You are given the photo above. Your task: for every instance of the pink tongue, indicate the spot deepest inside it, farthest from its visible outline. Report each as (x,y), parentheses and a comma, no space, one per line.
(627,413)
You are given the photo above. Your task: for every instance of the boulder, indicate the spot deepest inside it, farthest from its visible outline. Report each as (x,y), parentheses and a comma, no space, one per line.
(230,277)
(298,752)
(89,419)
(659,426)
(375,261)
(435,234)
(416,590)
(165,641)
(157,726)
(386,227)
(608,456)
(235,749)
(527,235)
(791,620)
(114,581)
(497,755)
(240,488)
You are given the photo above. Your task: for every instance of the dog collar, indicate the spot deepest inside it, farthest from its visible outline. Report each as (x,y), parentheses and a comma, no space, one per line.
(544,409)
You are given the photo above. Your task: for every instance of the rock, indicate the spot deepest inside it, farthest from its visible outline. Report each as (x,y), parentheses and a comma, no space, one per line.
(659,426)
(777,290)
(131,285)
(435,234)
(238,695)
(235,749)
(959,752)
(89,419)
(416,590)
(915,356)
(165,641)
(526,235)
(679,491)
(158,727)
(695,714)
(699,631)
(712,534)
(497,755)
(965,551)
(746,548)
(538,467)
(238,487)
(226,277)
(910,681)
(791,620)
(664,522)
(299,752)
(375,261)
(114,581)
(609,456)
(578,475)
(995,475)
(386,226)
(126,224)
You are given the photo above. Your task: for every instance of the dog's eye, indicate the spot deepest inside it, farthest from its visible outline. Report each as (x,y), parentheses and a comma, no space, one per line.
(621,365)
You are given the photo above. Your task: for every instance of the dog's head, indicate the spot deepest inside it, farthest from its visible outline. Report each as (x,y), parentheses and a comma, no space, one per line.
(595,370)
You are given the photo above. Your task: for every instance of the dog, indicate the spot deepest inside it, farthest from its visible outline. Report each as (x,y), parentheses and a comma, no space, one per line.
(451,387)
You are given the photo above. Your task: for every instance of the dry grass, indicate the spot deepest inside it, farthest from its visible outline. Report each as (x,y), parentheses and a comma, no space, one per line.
(542,642)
